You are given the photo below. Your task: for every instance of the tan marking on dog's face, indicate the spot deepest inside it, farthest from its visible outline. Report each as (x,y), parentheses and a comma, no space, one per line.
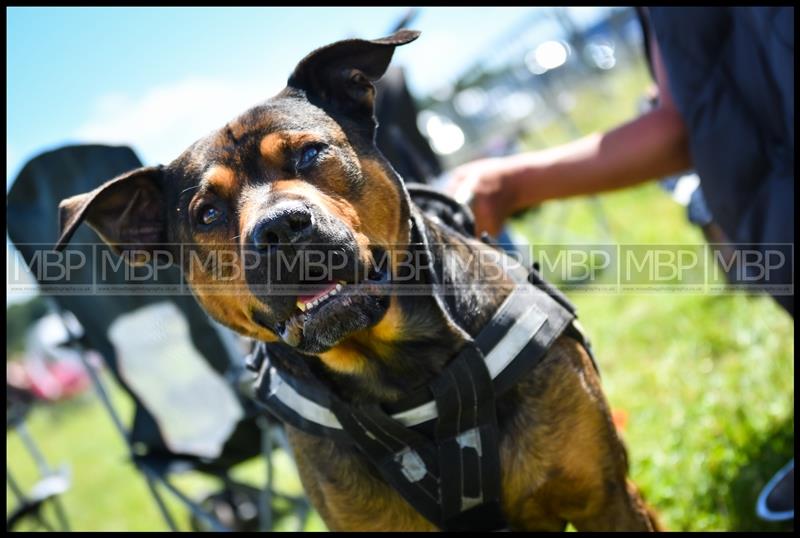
(348,357)
(380,206)
(390,328)
(223,181)
(225,295)
(344,358)
(273,148)
(276,147)
(220,188)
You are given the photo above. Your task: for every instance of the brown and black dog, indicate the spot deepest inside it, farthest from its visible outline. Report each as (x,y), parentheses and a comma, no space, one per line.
(301,171)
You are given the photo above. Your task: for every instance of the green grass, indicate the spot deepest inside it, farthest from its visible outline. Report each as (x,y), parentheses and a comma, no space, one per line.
(706,380)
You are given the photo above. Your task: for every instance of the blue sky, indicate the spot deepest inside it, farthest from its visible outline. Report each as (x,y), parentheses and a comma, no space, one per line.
(159,78)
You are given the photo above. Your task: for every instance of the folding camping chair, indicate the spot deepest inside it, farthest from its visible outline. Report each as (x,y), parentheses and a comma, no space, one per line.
(104,323)
(31,503)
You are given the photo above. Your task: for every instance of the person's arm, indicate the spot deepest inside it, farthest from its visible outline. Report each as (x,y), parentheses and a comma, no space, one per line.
(651,146)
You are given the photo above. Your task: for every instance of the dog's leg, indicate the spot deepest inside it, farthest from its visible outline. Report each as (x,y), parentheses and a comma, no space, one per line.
(614,503)
(345,493)
(622,509)
(563,460)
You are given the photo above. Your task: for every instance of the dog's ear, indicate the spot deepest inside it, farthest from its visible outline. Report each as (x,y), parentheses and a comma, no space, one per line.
(339,77)
(128,212)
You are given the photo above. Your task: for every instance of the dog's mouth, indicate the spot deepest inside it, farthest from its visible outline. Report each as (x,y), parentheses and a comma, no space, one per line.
(327,312)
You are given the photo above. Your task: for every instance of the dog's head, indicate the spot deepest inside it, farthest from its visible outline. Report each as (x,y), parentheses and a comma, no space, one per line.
(280,220)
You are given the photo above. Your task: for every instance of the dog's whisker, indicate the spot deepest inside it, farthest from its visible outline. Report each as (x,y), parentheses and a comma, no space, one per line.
(189,189)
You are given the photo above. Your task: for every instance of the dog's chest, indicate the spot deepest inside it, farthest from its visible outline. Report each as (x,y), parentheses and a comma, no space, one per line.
(349,493)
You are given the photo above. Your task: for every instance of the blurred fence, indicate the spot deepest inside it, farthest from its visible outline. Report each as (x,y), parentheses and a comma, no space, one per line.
(527,79)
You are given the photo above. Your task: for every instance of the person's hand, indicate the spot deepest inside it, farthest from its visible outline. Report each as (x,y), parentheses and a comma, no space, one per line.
(485,185)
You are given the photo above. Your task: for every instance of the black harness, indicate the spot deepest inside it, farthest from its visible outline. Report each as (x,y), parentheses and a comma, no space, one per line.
(438,448)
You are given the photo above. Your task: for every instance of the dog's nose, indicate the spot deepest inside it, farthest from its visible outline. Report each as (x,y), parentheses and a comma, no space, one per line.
(291,224)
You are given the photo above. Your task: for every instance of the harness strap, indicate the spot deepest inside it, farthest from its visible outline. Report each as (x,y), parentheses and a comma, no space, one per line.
(454,479)
(575,330)
(466,436)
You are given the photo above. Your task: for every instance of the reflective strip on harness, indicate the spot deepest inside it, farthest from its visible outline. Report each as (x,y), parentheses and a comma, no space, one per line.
(418,415)
(305,407)
(515,340)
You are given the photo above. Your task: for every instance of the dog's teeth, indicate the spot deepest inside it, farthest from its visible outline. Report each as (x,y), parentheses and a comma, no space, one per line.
(301,305)
(338,287)
(332,292)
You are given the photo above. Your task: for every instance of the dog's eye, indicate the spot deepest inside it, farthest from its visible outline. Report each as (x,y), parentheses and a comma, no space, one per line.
(209,214)
(308,156)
